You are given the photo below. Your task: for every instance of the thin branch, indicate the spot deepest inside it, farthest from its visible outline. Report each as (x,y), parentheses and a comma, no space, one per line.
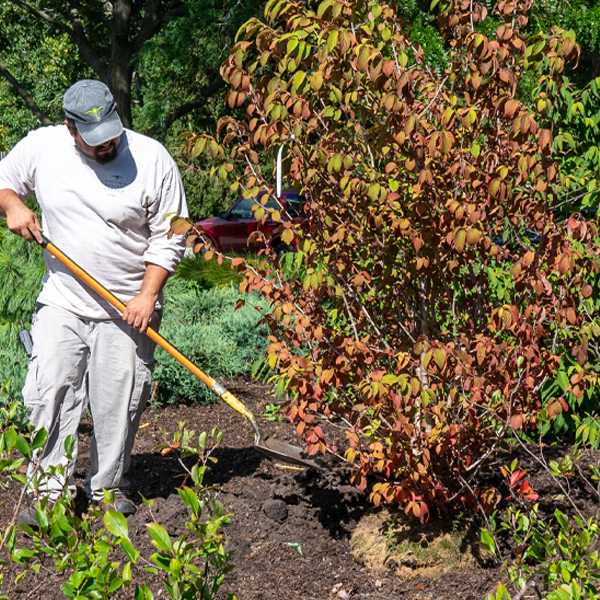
(33,107)
(77,34)
(153,20)
(350,315)
(439,90)
(40,14)
(33,592)
(203,96)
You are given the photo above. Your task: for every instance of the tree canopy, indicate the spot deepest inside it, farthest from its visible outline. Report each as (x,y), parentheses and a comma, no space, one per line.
(160,58)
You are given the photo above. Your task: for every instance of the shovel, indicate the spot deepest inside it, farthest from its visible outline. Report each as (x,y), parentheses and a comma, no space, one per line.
(271,448)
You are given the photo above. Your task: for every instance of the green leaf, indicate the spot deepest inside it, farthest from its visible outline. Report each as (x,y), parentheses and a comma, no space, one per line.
(10,438)
(323,7)
(10,538)
(563,380)
(143,593)
(42,517)
(69,590)
(23,446)
(22,555)
(217,508)
(287,236)
(335,163)
(297,80)
(160,536)
(562,519)
(40,439)
(161,561)
(316,81)
(116,523)
(332,40)
(130,551)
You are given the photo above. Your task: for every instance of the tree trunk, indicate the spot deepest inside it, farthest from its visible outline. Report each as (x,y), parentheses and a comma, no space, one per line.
(120,86)
(119,72)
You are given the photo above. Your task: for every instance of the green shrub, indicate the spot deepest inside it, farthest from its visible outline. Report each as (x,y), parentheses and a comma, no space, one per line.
(204,326)
(21,271)
(96,561)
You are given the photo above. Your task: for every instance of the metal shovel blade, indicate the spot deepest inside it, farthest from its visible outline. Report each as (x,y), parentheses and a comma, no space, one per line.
(287,453)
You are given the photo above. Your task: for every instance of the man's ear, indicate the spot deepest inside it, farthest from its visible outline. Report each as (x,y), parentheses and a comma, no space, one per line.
(72,128)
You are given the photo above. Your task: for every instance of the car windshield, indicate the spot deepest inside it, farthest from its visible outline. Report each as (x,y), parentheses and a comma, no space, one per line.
(293,203)
(243,209)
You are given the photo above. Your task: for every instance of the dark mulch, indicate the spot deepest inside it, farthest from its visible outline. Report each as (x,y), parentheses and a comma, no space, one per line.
(290,528)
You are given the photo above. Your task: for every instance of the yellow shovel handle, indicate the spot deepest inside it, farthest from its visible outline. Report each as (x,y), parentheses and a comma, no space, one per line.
(216,387)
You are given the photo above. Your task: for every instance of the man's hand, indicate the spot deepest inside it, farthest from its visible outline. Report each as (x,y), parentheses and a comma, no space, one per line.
(20,219)
(141,307)
(139,311)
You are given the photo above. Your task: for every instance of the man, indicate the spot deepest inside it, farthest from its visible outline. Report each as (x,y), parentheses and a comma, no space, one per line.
(104,193)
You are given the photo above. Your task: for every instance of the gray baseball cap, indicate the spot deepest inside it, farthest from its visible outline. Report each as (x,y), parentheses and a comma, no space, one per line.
(91,105)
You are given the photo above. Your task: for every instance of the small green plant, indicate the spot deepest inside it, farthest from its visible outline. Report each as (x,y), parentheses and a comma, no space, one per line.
(272,412)
(564,551)
(178,559)
(101,562)
(390,531)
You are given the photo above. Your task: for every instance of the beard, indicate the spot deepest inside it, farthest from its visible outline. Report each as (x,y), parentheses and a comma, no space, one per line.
(105,157)
(100,154)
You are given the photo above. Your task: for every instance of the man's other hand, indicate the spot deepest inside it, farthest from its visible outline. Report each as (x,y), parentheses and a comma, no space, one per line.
(20,219)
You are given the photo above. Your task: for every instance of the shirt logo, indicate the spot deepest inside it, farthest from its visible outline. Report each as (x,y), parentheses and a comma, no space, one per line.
(94,111)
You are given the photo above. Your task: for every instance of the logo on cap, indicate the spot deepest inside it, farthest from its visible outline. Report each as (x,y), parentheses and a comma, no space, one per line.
(94,111)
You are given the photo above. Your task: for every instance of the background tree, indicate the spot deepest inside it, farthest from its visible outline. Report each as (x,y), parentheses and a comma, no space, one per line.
(160,58)
(435,292)
(580,16)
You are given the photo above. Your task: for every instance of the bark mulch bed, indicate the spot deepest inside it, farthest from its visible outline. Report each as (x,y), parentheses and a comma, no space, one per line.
(291,529)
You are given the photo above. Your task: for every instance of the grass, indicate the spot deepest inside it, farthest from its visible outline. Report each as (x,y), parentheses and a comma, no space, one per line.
(207,273)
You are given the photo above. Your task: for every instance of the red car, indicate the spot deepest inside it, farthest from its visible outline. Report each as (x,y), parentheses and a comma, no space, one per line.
(231,230)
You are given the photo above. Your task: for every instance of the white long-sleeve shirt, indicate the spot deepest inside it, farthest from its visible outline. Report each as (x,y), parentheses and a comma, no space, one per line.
(110,219)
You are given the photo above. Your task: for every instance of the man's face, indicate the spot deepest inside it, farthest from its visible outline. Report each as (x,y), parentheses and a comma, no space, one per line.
(101,154)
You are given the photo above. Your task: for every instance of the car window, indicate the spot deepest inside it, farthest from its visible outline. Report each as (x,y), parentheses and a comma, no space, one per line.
(243,209)
(295,204)
(274,204)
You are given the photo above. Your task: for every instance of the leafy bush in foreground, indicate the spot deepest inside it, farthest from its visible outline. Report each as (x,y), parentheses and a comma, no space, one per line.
(100,561)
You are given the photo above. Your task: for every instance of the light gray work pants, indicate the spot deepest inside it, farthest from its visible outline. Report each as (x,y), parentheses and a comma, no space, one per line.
(75,361)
